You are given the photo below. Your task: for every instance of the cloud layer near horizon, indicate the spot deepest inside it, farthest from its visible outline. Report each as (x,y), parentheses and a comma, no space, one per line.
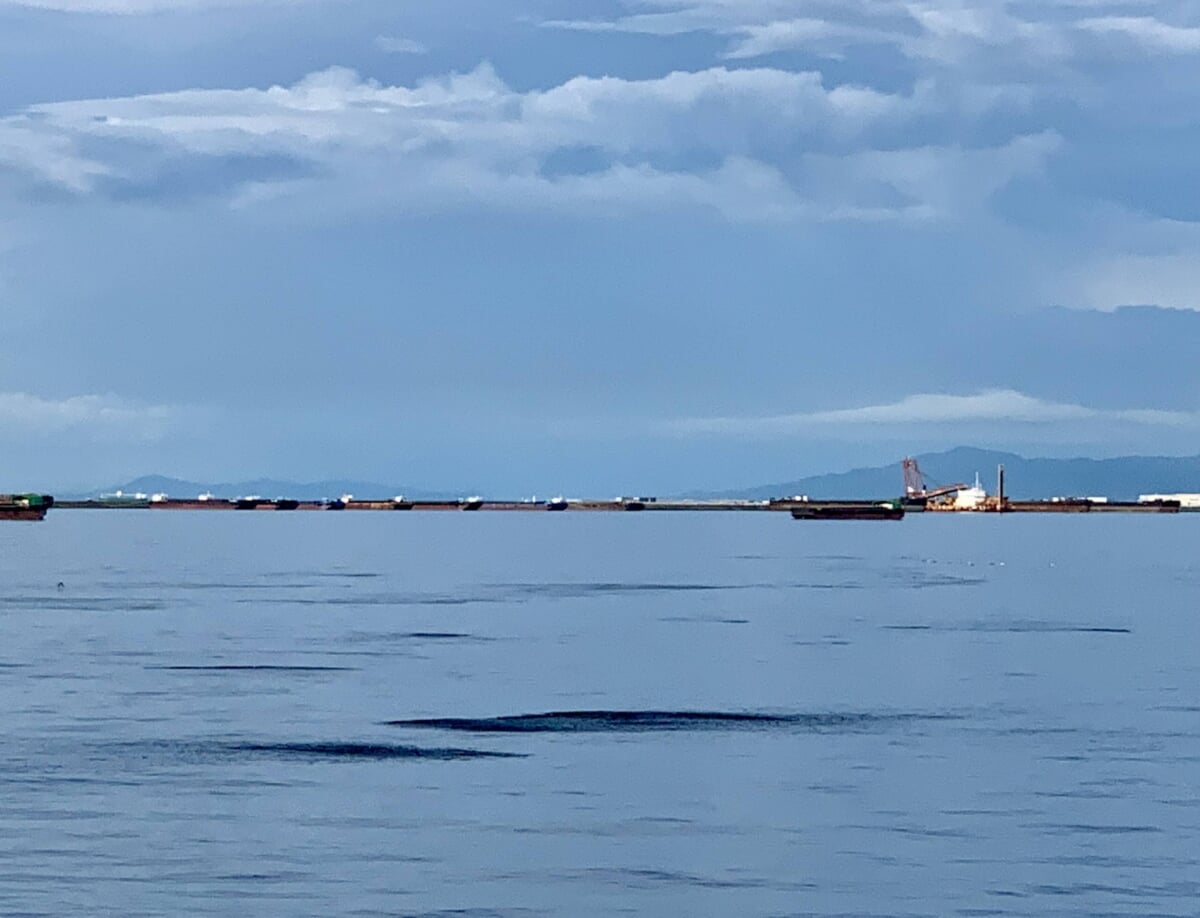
(105,416)
(993,406)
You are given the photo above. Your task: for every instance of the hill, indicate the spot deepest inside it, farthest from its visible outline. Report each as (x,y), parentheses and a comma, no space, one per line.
(1122,478)
(265,487)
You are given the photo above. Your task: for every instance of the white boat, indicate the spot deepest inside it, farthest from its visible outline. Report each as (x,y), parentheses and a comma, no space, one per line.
(971,498)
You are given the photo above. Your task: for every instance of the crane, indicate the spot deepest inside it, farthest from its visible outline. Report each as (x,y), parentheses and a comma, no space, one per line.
(914,482)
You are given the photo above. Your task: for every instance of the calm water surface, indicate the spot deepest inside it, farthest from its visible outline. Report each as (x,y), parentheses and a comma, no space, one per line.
(591,714)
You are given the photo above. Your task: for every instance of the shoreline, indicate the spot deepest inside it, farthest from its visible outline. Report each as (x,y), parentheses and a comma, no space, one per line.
(621,505)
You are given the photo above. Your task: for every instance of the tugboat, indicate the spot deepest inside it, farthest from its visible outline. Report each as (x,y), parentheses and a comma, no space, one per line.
(471,503)
(25,506)
(400,502)
(556,503)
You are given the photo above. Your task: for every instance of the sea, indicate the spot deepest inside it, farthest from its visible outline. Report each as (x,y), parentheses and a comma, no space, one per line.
(591,714)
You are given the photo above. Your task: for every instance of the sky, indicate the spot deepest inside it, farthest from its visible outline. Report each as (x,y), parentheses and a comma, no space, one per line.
(592,247)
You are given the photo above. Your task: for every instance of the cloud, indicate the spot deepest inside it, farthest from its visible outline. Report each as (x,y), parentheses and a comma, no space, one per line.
(1171,281)
(994,406)
(819,35)
(139,7)
(1147,31)
(969,34)
(686,137)
(98,415)
(51,156)
(396,45)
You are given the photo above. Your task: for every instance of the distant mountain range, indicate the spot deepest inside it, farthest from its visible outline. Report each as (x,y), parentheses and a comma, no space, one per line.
(1121,478)
(265,487)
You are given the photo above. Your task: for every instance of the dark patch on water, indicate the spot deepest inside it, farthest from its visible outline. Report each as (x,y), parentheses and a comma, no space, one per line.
(393,599)
(647,878)
(700,619)
(1093,829)
(359,751)
(657,721)
(828,586)
(437,636)
(200,585)
(192,752)
(472,913)
(574,590)
(252,668)
(1014,627)
(920,580)
(371,637)
(60,603)
(501,593)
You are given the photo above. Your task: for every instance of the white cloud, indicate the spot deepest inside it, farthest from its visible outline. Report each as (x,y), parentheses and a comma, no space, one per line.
(1147,31)
(942,32)
(50,155)
(820,35)
(393,44)
(941,182)
(101,415)
(995,406)
(1171,281)
(689,138)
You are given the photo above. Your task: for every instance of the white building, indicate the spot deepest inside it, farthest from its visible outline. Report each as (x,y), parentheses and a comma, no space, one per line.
(1186,501)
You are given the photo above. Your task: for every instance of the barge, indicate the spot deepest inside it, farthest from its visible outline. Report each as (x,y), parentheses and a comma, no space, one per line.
(847,510)
(25,506)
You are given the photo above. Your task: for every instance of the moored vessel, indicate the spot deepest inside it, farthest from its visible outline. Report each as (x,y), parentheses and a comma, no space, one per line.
(847,510)
(25,506)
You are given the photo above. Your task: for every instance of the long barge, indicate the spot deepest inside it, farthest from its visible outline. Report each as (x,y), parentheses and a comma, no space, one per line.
(1072,505)
(847,510)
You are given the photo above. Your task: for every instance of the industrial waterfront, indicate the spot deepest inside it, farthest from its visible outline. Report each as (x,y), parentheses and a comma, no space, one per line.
(917,497)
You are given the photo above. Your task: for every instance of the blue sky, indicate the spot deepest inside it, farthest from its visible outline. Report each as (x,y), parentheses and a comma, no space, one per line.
(593,247)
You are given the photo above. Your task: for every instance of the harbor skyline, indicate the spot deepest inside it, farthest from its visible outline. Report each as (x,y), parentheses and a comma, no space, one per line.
(1124,478)
(647,241)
